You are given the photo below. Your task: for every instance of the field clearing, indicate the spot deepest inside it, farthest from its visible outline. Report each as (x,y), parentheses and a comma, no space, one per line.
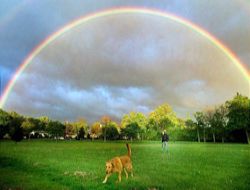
(45,164)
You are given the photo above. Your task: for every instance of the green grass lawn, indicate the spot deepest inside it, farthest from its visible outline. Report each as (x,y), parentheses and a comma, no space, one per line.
(48,164)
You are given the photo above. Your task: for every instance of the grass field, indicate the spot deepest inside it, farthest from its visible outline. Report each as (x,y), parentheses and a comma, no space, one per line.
(47,164)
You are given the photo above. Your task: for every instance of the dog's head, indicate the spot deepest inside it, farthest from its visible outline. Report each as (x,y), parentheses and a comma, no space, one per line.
(109,167)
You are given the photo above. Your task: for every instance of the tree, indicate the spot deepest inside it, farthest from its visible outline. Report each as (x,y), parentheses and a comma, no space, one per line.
(72,129)
(96,130)
(81,134)
(178,131)
(109,128)
(200,123)
(4,123)
(163,117)
(80,123)
(28,125)
(105,120)
(56,129)
(135,117)
(190,124)
(69,130)
(112,131)
(221,120)
(190,129)
(239,114)
(152,132)
(130,131)
(43,123)
(210,121)
(16,131)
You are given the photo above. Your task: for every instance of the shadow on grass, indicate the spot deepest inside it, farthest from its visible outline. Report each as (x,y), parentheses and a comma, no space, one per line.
(18,174)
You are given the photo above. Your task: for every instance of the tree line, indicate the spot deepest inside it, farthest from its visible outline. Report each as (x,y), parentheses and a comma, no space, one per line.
(229,122)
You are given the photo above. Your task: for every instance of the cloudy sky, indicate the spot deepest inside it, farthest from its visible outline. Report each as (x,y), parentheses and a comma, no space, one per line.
(115,64)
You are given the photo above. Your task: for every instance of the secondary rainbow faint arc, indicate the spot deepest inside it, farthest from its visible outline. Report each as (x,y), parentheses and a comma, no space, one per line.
(115,11)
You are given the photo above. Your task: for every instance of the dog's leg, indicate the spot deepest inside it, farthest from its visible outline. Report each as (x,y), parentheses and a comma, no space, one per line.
(132,175)
(106,178)
(126,173)
(119,176)
(129,168)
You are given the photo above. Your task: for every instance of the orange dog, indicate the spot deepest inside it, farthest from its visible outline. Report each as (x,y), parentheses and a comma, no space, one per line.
(117,164)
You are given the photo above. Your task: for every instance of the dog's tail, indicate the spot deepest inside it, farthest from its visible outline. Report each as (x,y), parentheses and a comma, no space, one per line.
(129,150)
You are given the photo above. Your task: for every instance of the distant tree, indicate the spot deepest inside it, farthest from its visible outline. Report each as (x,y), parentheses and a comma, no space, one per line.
(112,132)
(80,123)
(221,120)
(190,124)
(105,120)
(43,123)
(181,123)
(210,121)
(135,117)
(28,125)
(56,129)
(131,131)
(163,117)
(191,129)
(81,134)
(96,130)
(69,130)
(178,131)
(4,123)
(239,113)
(200,123)
(152,134)
(16,131)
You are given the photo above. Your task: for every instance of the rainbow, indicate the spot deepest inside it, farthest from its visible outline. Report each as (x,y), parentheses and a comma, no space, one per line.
(115,11)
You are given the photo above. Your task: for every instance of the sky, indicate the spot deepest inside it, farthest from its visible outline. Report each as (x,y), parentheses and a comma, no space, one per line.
(118,63)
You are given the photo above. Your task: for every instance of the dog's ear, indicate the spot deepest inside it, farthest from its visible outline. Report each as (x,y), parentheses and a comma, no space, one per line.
(112,164)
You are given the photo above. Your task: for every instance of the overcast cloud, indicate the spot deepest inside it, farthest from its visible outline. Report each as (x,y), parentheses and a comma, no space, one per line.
(121,63)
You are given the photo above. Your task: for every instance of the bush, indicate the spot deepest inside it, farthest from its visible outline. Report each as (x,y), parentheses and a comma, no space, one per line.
(16,133)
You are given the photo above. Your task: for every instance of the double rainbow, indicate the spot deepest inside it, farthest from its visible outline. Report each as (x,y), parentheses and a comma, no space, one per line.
(115,11)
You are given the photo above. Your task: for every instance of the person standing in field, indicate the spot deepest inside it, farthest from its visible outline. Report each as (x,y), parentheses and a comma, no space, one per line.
(164,140)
